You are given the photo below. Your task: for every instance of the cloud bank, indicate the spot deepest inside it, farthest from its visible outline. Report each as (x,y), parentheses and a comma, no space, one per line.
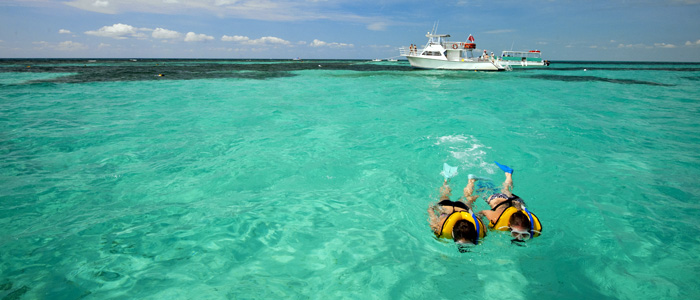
(119,31)
(265,10)
(266,40)
(319,43)
(162,33)
(194,37)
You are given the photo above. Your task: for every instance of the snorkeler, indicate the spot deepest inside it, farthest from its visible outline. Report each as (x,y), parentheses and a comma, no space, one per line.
(508,211)
(455,219)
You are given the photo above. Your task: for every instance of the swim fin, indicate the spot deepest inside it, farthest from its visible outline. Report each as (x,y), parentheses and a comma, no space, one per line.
(472,176)
(505,168)
(448,171)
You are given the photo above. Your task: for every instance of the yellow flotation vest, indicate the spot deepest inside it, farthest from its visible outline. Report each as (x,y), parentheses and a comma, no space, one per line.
(502,222)
(446,231)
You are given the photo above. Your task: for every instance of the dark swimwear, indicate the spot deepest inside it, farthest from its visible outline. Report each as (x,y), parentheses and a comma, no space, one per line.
(509,200)
(453,204)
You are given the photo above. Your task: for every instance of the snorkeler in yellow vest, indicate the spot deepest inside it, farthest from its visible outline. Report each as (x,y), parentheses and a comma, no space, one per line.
(508,212)
(455,219)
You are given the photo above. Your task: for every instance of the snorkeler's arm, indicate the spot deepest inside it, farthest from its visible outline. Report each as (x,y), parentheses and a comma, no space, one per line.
(491,215)
(432,219)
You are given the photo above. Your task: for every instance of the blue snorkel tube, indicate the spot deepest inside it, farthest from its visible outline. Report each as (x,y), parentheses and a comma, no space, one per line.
(532,222)
(478,230)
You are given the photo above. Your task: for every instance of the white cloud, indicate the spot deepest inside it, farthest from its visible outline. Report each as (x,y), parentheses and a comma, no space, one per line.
(266,40)
(272,40)
(64,31)
(194,37)
(266,10)
(664,45)
(100,3)
(633,46)
(224,2)
(319,43)
(70,46)
(62,46)
(689,43)
(162,33)
(235,38)
(118,31)
(103,45)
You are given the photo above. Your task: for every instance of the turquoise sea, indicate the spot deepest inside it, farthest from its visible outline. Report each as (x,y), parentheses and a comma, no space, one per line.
(228,179)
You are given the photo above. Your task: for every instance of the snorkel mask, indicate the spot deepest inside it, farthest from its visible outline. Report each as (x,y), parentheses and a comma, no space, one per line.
(523,236)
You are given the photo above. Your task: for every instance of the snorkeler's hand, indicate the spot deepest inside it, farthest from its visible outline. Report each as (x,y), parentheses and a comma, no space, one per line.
(505,168)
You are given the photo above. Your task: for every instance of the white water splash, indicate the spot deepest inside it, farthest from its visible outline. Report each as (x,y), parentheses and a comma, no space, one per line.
(468,151)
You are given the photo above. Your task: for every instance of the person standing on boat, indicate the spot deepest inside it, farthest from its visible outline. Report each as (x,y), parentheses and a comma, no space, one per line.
(508,211)
(455,219)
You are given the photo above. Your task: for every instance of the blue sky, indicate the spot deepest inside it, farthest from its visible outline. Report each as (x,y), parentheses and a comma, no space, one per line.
(610,30)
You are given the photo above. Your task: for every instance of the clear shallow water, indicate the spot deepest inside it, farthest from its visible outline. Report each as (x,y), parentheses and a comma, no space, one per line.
(229,179)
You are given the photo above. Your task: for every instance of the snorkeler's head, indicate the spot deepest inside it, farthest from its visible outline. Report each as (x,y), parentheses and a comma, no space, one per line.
(464,232)
(520,225)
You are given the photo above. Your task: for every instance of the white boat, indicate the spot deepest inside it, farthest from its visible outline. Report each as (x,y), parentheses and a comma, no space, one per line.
(532,58)
(376,59)
(439,53)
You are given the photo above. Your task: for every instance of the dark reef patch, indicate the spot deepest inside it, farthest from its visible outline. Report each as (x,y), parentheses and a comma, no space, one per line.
(594,78)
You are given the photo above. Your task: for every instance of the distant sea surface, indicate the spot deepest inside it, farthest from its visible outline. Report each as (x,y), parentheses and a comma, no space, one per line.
(231,179)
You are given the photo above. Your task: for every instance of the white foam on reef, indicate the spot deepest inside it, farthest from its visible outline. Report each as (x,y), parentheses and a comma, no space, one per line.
(468,151)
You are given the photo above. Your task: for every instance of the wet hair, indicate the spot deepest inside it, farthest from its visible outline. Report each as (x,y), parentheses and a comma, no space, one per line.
(520,219)
(464,230)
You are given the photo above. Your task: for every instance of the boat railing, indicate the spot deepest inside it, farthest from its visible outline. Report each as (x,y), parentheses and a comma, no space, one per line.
(406,51)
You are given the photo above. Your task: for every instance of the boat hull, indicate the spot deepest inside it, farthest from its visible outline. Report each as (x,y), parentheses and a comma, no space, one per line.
(469,65)
(518,63)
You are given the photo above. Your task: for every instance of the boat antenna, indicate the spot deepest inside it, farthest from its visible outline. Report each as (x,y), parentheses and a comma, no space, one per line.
(435,27)
(511,46)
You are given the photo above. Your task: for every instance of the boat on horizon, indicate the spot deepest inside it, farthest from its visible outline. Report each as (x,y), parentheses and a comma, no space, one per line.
(531,58)
(440,53)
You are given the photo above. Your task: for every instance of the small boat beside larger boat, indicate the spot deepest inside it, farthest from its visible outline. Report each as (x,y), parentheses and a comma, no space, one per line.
(532,58)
